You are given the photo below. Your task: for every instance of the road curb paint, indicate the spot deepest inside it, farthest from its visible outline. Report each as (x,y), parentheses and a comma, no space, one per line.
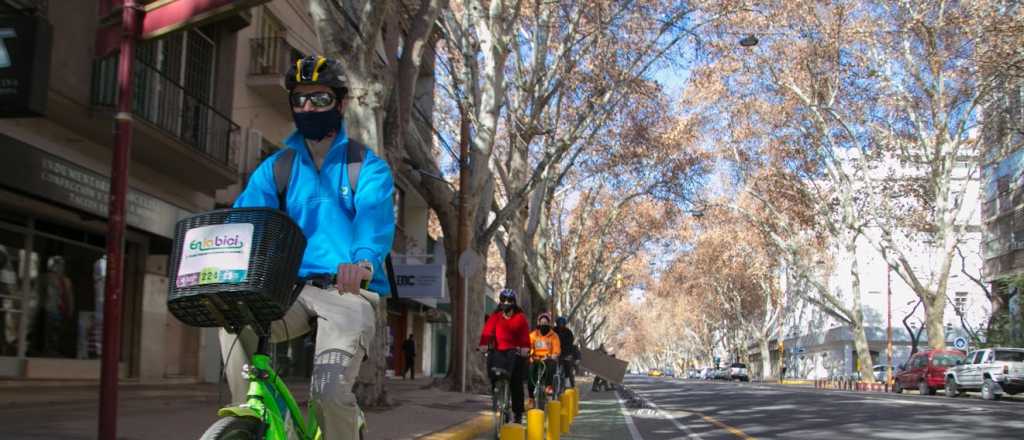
(466,430)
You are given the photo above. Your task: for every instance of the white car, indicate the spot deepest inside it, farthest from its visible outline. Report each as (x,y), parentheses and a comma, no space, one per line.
(738,371)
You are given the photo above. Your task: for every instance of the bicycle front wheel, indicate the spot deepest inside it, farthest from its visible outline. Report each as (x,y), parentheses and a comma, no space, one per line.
(502,407)
(233,428)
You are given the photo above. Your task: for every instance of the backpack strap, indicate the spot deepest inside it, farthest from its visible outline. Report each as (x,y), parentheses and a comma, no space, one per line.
(282,174)
(354,160)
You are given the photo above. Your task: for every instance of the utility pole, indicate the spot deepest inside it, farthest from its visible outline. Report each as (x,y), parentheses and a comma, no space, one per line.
(116,224)
(462,290)
(888,342)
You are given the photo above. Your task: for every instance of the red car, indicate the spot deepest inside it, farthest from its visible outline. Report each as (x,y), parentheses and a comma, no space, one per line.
(926,370)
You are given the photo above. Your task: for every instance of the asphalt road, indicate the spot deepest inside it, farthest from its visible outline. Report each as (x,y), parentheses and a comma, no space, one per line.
(665,408)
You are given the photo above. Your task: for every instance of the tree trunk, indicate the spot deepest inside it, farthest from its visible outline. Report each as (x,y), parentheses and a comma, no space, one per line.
(934,308)
(860,339)
(766,358)
(369,387)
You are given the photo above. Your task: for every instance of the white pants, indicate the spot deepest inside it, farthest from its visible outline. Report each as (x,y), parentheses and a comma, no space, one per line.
(345,328)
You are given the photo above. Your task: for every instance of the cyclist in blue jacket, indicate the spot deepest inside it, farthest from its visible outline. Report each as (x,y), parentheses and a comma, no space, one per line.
(348,234)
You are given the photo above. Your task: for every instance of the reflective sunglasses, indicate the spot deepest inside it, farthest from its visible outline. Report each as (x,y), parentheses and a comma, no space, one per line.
(318,99)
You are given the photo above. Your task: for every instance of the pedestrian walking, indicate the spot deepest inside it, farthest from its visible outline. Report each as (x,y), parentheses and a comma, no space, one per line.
(409,348)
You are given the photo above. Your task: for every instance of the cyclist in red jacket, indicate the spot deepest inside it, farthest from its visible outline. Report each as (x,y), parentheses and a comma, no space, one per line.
(508,332)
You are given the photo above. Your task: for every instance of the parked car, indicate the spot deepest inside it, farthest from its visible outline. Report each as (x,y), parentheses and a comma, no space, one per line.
(993,371)
(879,372)
(926,370)
(721,374)
(668,372)
(654,372)
(738,371)
(707,373)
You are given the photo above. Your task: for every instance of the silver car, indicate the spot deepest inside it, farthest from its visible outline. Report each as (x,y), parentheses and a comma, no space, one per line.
(738,371)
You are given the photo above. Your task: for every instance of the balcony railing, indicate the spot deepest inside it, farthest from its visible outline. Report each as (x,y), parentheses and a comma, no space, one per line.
(271,56)
(168,105)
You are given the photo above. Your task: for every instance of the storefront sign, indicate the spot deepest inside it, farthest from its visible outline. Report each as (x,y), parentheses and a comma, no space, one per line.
(36,172)
(215,254)
(420,280)
(24,65)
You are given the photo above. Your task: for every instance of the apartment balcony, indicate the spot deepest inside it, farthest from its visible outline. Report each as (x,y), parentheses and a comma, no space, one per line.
(269,60)
(175,131)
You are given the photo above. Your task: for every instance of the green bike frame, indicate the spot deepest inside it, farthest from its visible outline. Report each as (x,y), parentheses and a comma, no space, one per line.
(270,401)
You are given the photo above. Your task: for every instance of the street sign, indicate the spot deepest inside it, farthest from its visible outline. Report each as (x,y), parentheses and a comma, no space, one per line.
(470,263)
(960,343)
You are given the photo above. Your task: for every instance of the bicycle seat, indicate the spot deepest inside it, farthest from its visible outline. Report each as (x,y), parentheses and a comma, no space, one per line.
(500,371)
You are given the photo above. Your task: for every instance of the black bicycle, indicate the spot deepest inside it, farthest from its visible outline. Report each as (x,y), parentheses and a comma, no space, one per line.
(560,381)
(501,397)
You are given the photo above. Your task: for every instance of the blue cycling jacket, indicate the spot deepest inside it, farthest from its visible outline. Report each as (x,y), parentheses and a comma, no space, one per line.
(339,228)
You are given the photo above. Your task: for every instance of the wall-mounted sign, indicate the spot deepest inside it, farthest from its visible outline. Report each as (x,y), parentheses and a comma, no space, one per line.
(36,172)
(420,281)
(24,65)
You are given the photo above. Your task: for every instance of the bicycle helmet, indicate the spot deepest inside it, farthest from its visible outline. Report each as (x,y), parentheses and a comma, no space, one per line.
(317,70)
(561,321)
(507,294)
(544,315)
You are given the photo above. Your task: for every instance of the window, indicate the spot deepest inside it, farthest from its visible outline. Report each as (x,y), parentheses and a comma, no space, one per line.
(971,358)
(960,302)
(946,360)
(1009,356)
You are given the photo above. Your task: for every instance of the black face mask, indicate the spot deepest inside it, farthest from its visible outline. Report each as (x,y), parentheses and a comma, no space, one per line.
(506,307)
(545,329)
(317,125)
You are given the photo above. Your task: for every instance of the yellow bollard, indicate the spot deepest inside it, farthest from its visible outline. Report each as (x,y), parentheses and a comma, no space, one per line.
(564,418)
(512,431)
(554,410)
(535,424)
(572,400)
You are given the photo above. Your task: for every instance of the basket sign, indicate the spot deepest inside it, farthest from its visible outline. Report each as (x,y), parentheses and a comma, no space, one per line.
(215,254)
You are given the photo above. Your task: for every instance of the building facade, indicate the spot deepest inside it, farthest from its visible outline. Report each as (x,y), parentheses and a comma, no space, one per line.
(54,180)
(817,345)
(209,106)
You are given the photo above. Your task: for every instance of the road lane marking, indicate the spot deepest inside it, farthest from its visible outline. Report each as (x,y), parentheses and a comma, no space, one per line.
(725,427)
(677,423)
(633,432)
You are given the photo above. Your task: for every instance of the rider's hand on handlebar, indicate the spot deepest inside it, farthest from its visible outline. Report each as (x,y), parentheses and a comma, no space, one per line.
(524,351)
(482,349)
(350,276)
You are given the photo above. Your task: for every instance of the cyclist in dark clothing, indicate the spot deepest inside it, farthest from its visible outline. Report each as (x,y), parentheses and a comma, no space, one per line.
(569,351)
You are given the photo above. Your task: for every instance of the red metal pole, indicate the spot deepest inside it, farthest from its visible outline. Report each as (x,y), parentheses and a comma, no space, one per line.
(116,226)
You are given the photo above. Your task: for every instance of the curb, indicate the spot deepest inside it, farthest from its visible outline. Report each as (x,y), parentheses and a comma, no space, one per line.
(464,431)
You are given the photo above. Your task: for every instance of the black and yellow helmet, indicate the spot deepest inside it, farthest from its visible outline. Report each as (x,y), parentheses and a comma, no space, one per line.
(316,69)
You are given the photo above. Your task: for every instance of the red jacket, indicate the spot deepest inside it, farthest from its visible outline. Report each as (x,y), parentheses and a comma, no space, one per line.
(512,332)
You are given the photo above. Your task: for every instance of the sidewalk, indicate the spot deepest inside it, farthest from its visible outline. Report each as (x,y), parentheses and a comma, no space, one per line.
(47,411)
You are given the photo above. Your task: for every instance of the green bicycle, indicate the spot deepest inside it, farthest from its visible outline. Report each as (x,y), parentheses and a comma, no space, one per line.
(234,268)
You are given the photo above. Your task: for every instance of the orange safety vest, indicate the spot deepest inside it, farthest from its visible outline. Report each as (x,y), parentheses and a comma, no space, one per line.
(542,346)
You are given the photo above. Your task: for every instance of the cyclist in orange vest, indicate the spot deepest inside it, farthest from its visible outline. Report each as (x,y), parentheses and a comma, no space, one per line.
(544,350)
